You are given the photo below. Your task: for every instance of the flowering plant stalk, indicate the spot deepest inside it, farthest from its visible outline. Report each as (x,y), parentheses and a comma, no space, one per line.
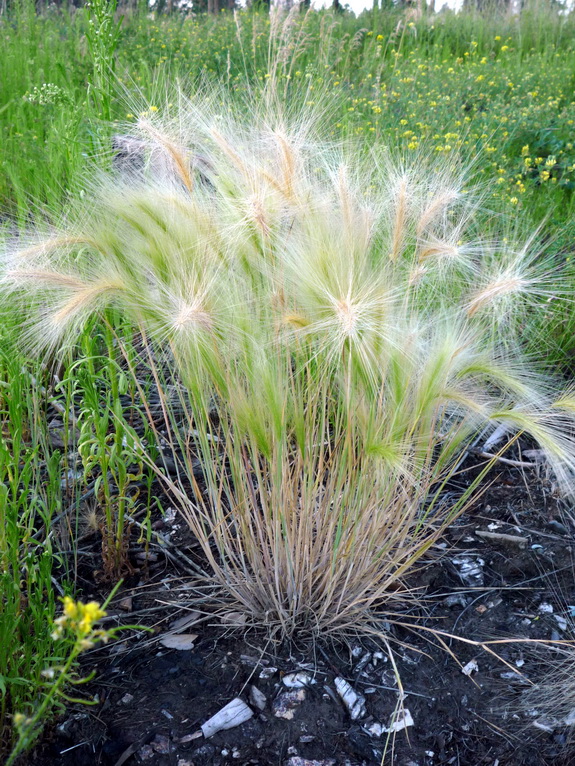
(103,34)
(78,623)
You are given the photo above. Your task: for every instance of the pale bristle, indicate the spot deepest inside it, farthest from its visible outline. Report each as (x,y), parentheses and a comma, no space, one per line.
(502,287)
(437,206)
(179,157)
(399,223)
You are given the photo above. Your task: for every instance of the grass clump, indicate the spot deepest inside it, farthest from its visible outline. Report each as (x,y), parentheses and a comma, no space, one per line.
(323,330)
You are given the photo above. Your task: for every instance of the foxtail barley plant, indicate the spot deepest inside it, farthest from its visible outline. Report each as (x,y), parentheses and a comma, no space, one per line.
(328,336)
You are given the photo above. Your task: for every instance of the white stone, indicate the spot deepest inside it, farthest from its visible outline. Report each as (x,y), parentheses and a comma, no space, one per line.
(233,714)
(354,702)
(471,667)
(400,721)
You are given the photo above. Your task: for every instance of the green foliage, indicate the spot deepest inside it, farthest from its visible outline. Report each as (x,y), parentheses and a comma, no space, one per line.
(30,498)
(108,454)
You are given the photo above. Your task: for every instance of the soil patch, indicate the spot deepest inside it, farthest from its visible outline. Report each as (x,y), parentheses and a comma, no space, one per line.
(504,570)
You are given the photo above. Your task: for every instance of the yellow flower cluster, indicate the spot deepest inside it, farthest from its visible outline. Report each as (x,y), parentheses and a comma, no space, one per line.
(79,619)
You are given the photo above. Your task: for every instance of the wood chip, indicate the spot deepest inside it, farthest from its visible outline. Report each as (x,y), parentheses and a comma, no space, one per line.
(501,537)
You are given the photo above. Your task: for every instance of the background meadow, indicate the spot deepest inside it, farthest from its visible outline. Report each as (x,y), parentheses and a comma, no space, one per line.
(490,91)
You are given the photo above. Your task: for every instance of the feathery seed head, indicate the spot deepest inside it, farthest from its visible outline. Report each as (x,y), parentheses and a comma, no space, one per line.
(505,286)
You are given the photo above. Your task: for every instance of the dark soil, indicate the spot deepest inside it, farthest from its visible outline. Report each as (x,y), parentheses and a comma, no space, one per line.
(152,699)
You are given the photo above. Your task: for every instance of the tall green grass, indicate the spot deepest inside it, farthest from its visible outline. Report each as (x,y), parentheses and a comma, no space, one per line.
(31,497)
(389,76)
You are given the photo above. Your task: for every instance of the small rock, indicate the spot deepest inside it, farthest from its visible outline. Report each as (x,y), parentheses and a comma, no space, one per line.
(558,527)
(469,668)
(185,762)
(375,729)
(561,622)
(233,714)
(204,753)
(183,642)
(457,599)
(126,604)
(354,702)
(298,680)
(296,760)
(545,608)
(470,569)
(267,673)
(285,705)
(306,738)
(146,753)
(59,436)
(257,698)
(126,699)
(363,662)
(161,744)
(400,720)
